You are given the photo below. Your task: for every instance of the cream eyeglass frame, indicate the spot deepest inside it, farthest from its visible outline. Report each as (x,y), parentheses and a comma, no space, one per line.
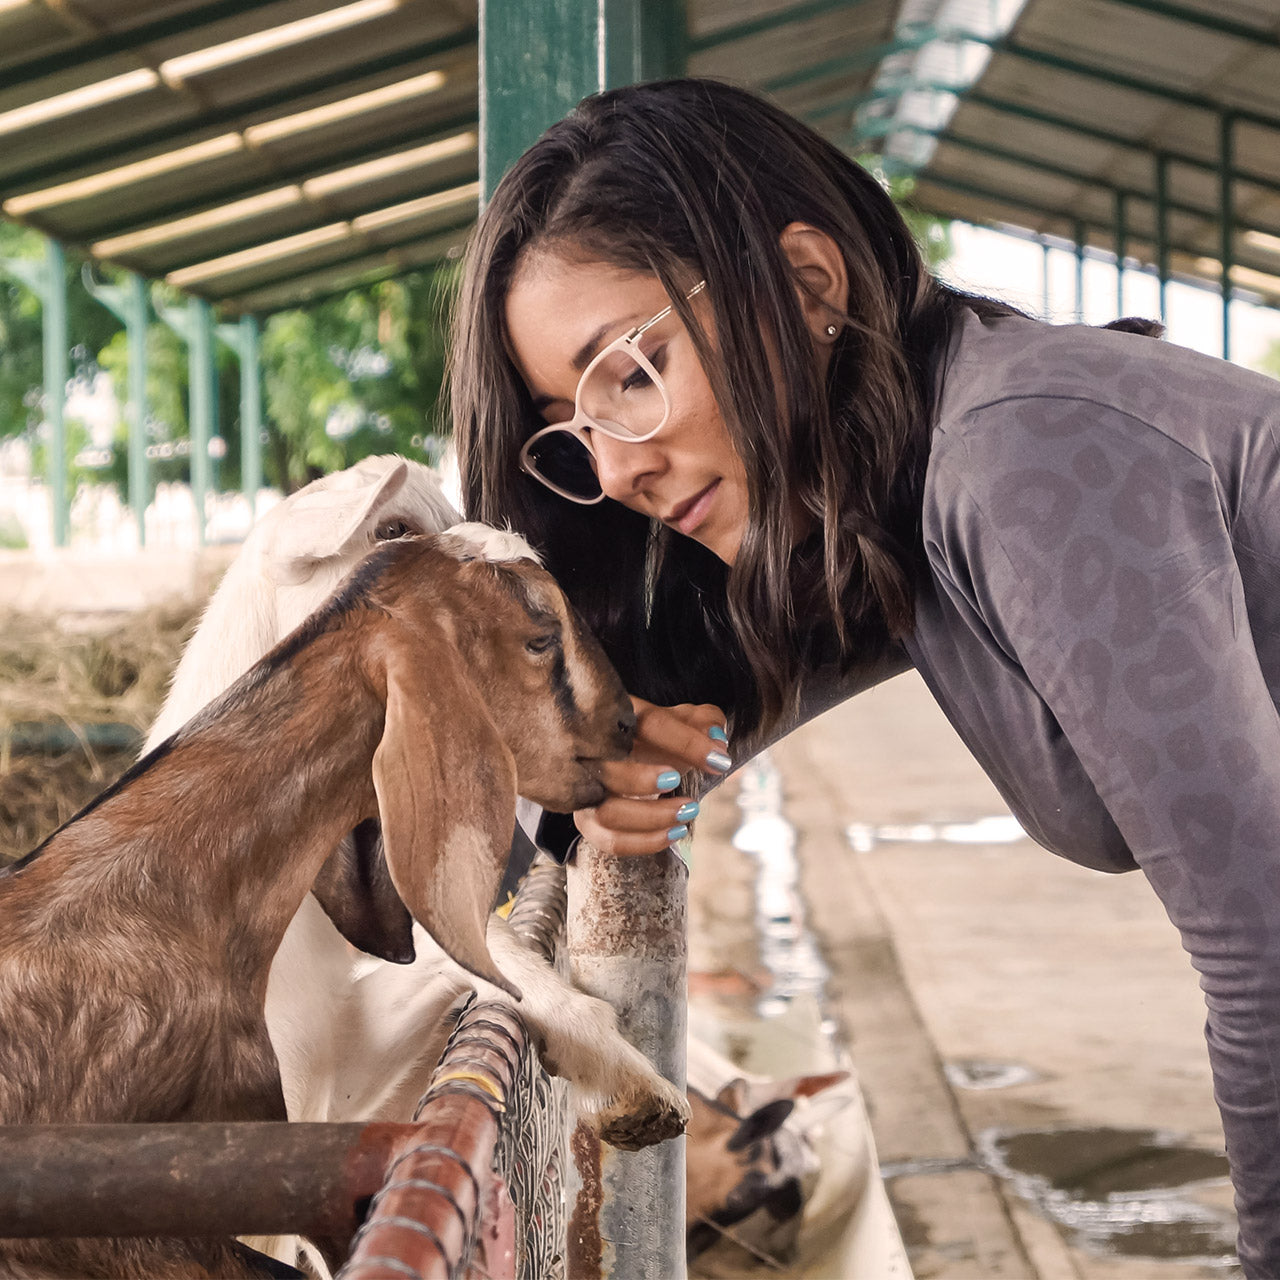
(574,426)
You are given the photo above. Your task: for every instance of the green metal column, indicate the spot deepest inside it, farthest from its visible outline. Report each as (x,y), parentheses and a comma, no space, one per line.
(1122,248)
(1045,300)
(250,412)
(539,57)
(136,325)
(1227,219)
(200,373)
(56,372)
(626,915)
(1162,232)
(1082,239)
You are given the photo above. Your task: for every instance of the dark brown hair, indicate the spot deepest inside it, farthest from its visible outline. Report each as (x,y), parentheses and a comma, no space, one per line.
(688,180)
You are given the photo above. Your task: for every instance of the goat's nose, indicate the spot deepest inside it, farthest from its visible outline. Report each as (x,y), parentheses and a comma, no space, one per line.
(627,724)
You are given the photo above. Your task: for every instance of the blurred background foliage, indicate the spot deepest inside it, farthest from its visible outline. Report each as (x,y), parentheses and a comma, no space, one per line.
(357,374)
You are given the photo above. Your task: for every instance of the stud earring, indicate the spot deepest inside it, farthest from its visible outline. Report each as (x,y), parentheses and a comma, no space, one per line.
(832,331)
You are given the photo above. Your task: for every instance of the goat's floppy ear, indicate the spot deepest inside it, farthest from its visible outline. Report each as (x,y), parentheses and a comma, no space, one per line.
(445,782)
(321,520)
(354,888)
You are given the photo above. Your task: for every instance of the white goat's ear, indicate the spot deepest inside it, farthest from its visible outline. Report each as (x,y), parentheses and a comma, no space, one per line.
(445,782)
(318,521)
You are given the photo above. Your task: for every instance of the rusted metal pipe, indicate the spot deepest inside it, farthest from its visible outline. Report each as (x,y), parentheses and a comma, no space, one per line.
(192,1179)
(627,944)
(425,1221)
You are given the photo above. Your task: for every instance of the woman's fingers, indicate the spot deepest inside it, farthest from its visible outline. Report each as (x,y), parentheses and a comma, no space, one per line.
(688,736)
(644,813)
(634,834)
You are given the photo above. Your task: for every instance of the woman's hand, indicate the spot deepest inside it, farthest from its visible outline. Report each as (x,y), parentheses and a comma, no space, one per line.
(644,812)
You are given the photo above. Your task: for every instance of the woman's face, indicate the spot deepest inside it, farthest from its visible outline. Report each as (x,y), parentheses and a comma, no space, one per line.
(559,313)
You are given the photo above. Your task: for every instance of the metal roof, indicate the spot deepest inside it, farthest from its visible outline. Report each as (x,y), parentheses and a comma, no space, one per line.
(1085,109)
(260,154)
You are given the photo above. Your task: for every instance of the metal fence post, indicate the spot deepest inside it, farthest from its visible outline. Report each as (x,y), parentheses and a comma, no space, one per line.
(627,943)
(56,372)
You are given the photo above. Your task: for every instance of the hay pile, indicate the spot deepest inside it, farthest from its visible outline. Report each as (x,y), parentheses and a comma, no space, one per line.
(95,689)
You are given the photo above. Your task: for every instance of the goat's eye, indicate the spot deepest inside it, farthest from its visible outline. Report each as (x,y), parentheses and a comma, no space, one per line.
(541,644)
(392,530)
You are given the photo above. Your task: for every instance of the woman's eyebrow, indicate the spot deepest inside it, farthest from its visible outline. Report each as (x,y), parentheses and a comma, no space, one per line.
(588,349)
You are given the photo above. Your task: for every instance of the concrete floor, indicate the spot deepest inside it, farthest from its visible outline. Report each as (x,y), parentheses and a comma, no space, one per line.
(948,958)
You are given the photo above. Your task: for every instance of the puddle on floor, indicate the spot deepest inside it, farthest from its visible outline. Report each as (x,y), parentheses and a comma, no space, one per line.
(1118,1192)
(788,950)
(1001,828)
(980,1073)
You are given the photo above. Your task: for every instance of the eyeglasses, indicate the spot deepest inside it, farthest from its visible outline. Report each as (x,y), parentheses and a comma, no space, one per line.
(620,394)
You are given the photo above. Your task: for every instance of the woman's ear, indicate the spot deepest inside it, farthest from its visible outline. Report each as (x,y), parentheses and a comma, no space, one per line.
(823,281)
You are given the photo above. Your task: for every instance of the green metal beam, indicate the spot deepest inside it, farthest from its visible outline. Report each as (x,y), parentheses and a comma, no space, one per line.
(906,41)
(319,220)
(56,372)
(538,58)
(1122,80)
(886,125)
(1046,212)
(1080,234)
(1226,220)
(136,326)
(282,175)
(1121,239)
(770,22)
(1205,21)
(250,412)
(93,159)
(182,22)
(1020,158)
(1162,232)
(202,384)
(445,237)
(1012,48)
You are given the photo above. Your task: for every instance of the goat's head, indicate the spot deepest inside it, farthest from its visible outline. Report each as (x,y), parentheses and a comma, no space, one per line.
(554,696)
(493,686)
(315,537)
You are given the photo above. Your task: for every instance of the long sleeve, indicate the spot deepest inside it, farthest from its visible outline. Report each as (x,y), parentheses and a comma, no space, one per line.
(1096,552)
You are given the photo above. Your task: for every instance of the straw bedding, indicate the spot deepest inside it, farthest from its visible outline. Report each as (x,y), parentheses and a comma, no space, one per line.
(75,701)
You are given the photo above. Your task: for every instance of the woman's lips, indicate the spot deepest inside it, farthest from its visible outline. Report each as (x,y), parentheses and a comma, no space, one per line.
(689,515)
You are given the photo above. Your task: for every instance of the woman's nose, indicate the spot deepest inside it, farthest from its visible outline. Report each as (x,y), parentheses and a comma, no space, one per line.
(622,467)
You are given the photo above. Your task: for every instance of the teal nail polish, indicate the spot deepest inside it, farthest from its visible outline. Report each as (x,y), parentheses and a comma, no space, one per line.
(718,761)
(687,812)
(677,833)
(717,733)
(667,779)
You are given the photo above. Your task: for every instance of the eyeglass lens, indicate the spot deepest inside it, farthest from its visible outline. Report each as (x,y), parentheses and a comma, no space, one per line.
(622,399)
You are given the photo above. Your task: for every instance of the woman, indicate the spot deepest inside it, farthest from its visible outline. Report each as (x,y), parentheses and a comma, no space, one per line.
(700,363)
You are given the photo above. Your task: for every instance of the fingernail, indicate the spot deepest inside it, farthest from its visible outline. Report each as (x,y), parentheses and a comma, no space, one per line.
(687,812)
(717,733)
(667,779)
(677,833)
(718,761)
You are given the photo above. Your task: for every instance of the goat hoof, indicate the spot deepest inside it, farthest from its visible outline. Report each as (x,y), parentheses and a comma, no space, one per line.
(644,1123)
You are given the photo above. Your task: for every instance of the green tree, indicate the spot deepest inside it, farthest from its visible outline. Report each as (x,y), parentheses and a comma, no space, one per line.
(90,327)
(355,375)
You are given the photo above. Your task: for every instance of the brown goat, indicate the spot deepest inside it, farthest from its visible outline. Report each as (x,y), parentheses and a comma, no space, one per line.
(135,942)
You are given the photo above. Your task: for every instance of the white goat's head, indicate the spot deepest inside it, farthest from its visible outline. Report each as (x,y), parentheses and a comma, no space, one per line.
(311,540)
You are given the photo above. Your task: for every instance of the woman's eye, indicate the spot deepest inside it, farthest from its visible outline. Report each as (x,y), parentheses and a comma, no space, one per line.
(638,380)
(392,530)
(541,644)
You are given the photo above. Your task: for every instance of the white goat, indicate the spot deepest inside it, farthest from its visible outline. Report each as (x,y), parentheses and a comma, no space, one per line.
(135,942)
(357,1037)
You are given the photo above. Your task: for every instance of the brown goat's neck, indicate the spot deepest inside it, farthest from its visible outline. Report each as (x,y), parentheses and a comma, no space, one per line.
(246,801)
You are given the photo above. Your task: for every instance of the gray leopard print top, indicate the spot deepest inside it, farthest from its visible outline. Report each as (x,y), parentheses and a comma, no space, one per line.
(1102,627)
